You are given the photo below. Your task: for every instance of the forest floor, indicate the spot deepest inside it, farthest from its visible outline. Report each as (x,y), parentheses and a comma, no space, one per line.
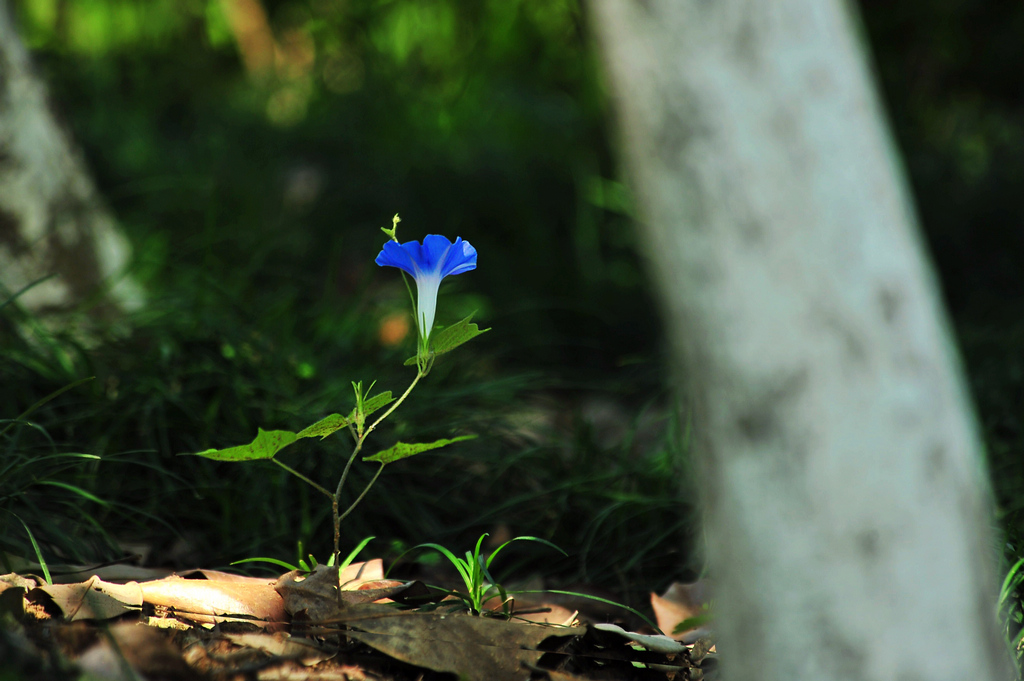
(123,623)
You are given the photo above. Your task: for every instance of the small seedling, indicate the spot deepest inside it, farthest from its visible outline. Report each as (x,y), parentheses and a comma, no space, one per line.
(481,586)
(475,572)
(311,564)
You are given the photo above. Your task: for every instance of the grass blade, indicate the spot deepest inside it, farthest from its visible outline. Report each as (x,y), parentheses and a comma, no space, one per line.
(273,561)
(355,552)
(39,553)
(594,598)
(524,538)
(55,393)
(77,490)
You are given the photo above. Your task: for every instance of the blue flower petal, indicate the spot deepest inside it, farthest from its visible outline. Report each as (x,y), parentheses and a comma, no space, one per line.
(394,255)
(461,258)
(434,252)
(429,263)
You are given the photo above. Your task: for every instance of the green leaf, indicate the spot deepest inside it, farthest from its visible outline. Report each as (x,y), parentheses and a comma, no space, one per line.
(455,335)
(694,622)
(376,402)
(451,337)
(403,450)
(265,446)
(325,426)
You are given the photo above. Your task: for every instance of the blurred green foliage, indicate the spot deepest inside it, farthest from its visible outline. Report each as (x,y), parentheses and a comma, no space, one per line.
(251,149)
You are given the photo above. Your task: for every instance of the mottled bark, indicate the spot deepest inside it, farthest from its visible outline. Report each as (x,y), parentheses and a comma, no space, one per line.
(848,511)
(52,221)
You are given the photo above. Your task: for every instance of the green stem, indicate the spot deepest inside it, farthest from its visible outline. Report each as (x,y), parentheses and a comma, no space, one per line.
(300,476)
(394,406)
(336,497)
(360,497)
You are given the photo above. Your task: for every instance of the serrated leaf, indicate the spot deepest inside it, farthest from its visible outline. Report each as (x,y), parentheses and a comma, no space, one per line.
(265,446)
(325,426)
(455,335)
(403,450)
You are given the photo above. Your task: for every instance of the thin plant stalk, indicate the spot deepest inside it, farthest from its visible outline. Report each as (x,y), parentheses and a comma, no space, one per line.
(300,476)
(360,439)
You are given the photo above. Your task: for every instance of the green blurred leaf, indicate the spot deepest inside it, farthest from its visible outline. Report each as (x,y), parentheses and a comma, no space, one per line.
(265,446)
(325,426)
(403,450)
(77,490)
(693,622)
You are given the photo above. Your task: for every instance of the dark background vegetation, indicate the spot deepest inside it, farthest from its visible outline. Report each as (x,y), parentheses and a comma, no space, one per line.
(252,183)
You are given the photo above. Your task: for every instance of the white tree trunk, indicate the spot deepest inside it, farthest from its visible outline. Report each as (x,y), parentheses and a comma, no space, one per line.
(848,510)
(52,221)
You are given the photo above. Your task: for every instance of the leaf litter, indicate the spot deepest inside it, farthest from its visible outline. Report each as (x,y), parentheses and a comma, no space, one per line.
(206,624)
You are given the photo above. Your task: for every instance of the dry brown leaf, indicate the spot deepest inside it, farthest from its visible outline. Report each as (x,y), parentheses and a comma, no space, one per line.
(680,603)
(92,599)
(210,601)
(14,580)
(535,607)
(12,594)
(358,573)
(316,593)
(474,648)
(143,649)
(563,676)
(345,672)
(284,646)
(218,576)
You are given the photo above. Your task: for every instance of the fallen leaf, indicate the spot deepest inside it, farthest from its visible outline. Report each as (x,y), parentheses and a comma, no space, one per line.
(92,599)
(145,650)
(359,573)
(474,648)
(534,608)
(284,646)
(12,592)
(211,601)
(316,593)
(656,643)
(682,602)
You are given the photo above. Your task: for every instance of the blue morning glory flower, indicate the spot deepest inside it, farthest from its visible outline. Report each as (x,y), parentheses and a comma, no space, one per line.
(428,263)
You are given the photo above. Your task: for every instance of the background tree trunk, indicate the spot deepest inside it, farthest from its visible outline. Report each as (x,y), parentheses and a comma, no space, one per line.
(848,513)
(52,221)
